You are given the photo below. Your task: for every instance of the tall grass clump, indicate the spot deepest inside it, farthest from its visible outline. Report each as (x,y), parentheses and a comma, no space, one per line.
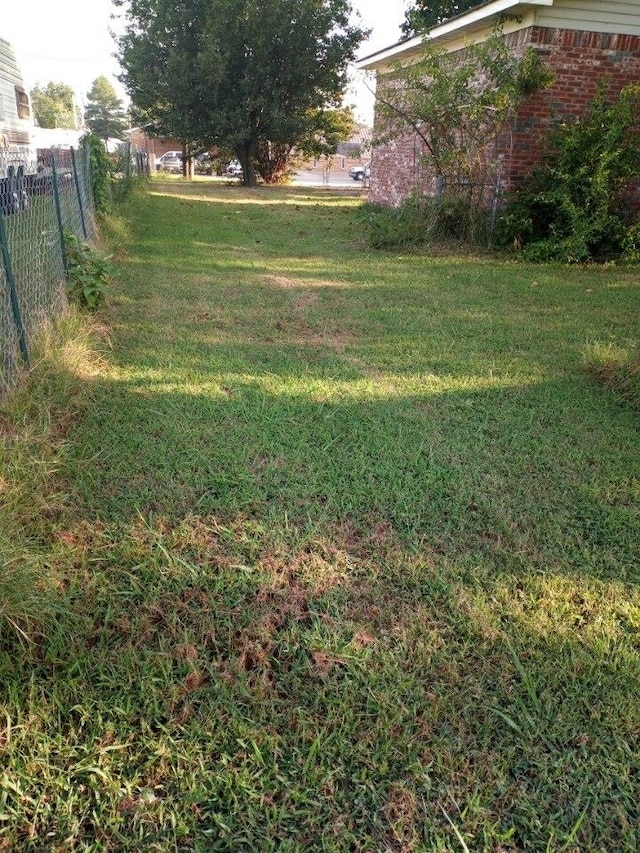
(34,422)
(618,368)
(421,221)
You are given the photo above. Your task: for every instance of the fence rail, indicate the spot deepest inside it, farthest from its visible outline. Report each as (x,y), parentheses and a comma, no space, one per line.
(41,197)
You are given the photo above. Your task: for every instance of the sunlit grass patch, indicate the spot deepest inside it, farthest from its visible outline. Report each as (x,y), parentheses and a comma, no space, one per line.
(618,368)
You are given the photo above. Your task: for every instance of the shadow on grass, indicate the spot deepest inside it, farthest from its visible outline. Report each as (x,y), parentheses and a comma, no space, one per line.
(541,475)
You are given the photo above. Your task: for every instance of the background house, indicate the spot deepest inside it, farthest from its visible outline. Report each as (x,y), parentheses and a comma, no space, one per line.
(584,42)
(152,146)
(355,151)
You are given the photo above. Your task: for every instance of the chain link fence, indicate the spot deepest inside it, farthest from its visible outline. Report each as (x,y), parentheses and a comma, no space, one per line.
(41,197)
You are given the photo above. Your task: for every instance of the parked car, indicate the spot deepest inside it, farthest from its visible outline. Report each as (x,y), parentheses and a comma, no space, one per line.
(171,161)
(203,164)
(234,169)
(359,173)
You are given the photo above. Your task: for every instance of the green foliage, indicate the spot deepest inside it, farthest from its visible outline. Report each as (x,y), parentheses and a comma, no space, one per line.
(531,74)
(459,106)
(422,221)
(159,52)
(631,244)
(573,208)
(395,227)
(325,129)
(100,171)
(111,174)
(105,115)
(426,14)
(124,180)
(53,105)
(239,74)
(88,273)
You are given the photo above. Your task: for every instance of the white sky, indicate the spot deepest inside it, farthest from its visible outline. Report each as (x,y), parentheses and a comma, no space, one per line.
(68,41)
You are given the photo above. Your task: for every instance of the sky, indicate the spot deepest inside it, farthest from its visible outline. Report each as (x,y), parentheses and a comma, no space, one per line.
(69,41)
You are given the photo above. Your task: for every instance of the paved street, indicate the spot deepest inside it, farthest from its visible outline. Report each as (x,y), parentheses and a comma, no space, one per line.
(318,178)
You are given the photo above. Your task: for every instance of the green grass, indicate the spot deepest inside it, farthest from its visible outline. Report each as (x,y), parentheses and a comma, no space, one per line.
(341,549)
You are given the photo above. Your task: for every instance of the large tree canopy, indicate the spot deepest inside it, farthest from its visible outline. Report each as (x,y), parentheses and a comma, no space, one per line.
(160,57)
(53,105)
(105,115)
(426,14)
(249,75)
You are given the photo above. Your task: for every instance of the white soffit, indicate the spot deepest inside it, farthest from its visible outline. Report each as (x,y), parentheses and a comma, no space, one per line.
(476,18)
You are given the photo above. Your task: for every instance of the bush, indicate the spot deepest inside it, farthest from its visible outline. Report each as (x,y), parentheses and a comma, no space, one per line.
(420,221)
(100,171)
(88,273)
(124,181)
(572,209)
(631,244)
(394,227)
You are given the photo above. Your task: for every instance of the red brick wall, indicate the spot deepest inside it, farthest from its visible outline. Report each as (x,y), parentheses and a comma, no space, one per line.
(580,61)
(153,146)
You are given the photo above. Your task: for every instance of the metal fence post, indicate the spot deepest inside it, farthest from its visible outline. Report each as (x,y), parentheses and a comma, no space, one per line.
(78,193)
(13,296)
(56,197)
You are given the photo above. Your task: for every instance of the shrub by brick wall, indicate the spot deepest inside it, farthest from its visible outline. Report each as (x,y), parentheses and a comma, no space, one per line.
(581,62)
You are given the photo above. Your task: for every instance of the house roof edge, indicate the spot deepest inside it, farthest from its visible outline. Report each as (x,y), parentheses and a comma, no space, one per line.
(480,14)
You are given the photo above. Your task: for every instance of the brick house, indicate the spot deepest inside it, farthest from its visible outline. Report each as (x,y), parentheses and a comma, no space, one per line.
(583,42)
(356,151)
(152,146)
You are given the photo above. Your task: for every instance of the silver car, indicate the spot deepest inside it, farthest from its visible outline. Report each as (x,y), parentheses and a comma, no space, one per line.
(360,173)
(171,161)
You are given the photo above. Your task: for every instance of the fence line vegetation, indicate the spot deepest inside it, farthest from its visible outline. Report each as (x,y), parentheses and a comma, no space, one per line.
(47,198)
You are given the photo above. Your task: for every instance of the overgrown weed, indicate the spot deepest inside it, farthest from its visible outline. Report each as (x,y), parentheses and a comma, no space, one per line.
(618,368)
(36,419)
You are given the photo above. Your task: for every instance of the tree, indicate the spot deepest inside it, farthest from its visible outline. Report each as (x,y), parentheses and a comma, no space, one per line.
(105,115)
(53,105)
(460,106)
(159,54)
(426,14)
(248,75)
(325,130)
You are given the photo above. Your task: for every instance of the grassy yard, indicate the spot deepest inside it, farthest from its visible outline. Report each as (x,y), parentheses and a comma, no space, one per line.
(345,549)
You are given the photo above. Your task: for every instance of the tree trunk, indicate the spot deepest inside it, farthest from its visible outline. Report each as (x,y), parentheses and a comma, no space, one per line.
(187,162)
(246,156)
